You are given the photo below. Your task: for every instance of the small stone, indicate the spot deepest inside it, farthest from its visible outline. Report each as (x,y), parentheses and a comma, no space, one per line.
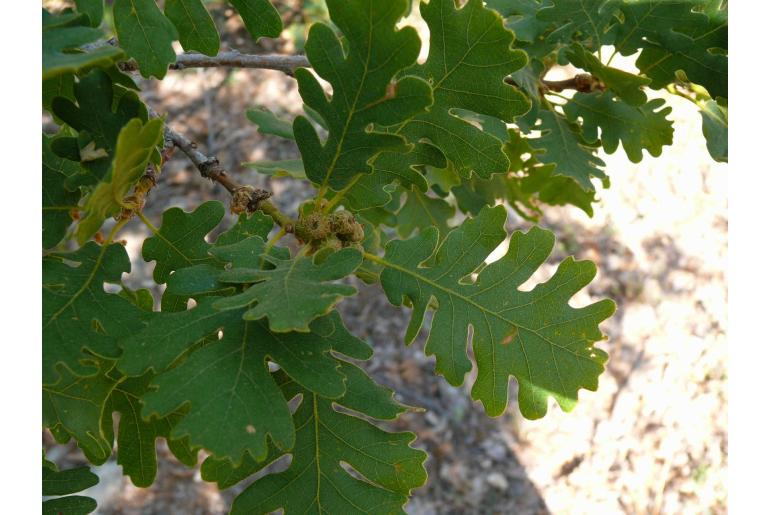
(495,450)
(498,481)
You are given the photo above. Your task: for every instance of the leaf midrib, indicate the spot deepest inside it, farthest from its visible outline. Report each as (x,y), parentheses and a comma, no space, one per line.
(468,300)
(85,285)
(352,110)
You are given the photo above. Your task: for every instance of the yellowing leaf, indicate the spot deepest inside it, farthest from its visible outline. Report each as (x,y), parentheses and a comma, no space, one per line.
(91,153)
(136,143)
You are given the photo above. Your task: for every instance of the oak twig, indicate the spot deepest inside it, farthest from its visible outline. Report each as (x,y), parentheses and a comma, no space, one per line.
(284,63)
(244,198)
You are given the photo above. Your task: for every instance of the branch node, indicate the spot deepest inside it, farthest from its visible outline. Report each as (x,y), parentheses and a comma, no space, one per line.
(210,168)
(246,199)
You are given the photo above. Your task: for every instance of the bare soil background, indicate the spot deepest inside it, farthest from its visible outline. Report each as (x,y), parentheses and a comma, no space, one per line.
(653,439)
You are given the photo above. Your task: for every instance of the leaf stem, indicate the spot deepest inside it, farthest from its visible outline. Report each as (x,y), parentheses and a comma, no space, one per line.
(147,222)
(275,239)
(375,259)
(270,244)
(671,88)
(337,198)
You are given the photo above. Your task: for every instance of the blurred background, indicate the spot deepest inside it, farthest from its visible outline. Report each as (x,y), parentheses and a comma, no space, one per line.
(653,439)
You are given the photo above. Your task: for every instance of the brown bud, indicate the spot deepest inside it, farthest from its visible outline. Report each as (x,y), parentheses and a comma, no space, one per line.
(346,228)
(316,226)
(241,199)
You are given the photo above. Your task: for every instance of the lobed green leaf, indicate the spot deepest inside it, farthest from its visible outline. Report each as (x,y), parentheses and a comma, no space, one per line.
(644,127)
(229,378)
(562,144)
(78,315)
(326,438)
(94,9)
(289,292)
(535,335)
(362,76)
(146,35)
(136,435)
(260,17)
(98,125)
(194,24)
(715,130)
(63,37)
(470,55)
(58,201)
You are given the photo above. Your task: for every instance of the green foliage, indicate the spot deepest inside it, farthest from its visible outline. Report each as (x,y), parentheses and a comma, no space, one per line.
(626,85)
(469,57)
(251,401)
(291,293)
(146,35)
(62,38)
(260,17)
(674,36)
(94,9)
(316,481)
(78,315)
(63,482)
(181,242)
(564,146)
(363,91)
(535,335)
(194,24)
(58,201)
(588,19)
(74,408)
(135,145)
(537,182)
(715,129)
(268,123)
(136,436)
(243,354)
(376,189)
(643,127)
(97,123)
(419,209)
(677,52)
